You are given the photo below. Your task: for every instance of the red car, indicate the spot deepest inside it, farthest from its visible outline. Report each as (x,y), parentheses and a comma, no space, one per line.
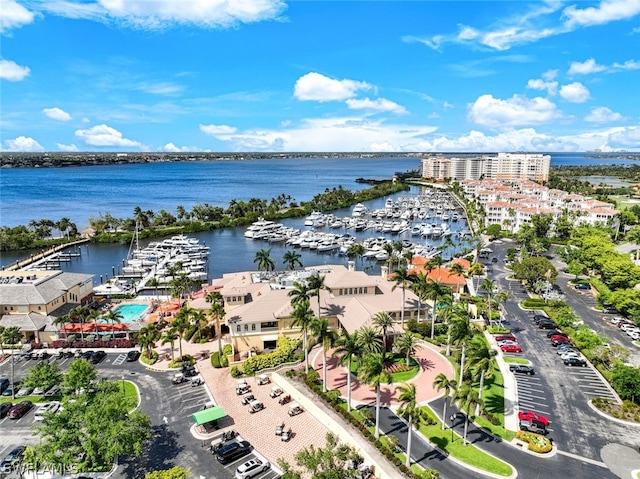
(532,416)
(504,337)
(511,348)
(19,410)
(559,338)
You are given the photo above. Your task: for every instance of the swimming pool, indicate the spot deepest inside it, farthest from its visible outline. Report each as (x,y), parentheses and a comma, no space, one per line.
(131,312)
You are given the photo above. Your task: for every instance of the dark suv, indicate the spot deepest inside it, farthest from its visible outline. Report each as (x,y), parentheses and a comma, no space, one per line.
(583,286)
(233,451)
(522,369)
(574,362)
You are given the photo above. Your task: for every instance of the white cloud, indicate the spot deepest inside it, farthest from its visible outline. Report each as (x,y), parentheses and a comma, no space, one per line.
(56,113)
(11,71)
(316,87)
(447,105)
(377,105)
(551,87)
(628,65)
(515,111)
(627,138)
(171,148)
(550,75)
(589,66)
(575,92)
(103,135)
(159,14)
(602,114)
(216,130)
(13,15)
(22,143)
(70,148)
(607,11)
(159,88)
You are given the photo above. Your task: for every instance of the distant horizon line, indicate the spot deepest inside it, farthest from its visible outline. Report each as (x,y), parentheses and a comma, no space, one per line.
(274,153)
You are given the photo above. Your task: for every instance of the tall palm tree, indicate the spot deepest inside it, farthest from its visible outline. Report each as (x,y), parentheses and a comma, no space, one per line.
(198,319)
(410,411)
(403,279)
(264,260)
(466,396)
(356,250)
(299,293)
(480,363)
(217,312)
(322,334)
(370,341)
(418,287)
(407,343)
(114,317)
(347,346)
(434,291)
(443,382)
(502,297)
(373,373)
(476,271)
(147,337)
(458,270)
(303,318)
(291,259)
(461,332)
(170,336)
(383,322)
(489,285)
(180,325)
(316,284)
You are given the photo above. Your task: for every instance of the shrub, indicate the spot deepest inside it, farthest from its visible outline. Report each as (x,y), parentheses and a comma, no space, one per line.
(224,359)
(282,354)
(537,443)
(190,332)
(498,330)
(236,372)
(149,360)
(215,360)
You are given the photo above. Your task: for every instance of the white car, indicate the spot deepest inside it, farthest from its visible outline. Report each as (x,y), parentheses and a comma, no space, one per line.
(251,468)
(507,342)
(571,355)
(635,335)
(52,407)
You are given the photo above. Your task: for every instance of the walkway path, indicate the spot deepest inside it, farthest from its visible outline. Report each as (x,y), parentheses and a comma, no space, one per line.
(428,357)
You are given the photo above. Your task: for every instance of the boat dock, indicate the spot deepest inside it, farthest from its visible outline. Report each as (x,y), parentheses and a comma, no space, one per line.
(50,258)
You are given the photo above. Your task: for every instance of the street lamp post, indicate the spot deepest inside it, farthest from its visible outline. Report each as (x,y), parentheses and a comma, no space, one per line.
(452,418)
(123,391)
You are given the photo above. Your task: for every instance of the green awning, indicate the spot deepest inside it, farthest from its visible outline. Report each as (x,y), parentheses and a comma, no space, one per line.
(208,415)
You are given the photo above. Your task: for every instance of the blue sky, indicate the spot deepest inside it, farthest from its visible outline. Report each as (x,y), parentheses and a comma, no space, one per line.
(287,76)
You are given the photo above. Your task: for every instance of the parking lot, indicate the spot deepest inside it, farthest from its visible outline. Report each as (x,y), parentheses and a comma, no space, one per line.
(169,406)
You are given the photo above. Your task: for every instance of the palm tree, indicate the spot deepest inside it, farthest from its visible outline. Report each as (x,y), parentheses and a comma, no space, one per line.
(407,343)
(466,395)
(147,338)
(356,250)
(347,346)
(299,293)
(402,279)
(325,336)
(434,291)
(198,319)
(370,341)
(476,270)
(502,297)
(480,363)
(180,325)
(458,270)
(443,382)
(303,319)
(217,311)
(170,337)
(419,289)
(383,322)
(461,332)
(264,260)
(410,411)
(489,286)
(114,317)
(291,259)
(315,285)
(373,373)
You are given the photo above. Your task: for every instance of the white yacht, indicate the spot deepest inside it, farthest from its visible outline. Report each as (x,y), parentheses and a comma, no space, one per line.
(261,229)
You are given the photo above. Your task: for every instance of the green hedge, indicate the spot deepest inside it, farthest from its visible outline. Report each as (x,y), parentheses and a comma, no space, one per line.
(284,353)
(215,360)
(533,303)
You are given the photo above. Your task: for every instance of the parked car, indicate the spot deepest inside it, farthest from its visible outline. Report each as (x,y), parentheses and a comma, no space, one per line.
(19,410)
(540,317)
(97,357)
(533,426)
(568,349)
(4,384)
(522,369)
(251,468)
(572,361)
(52,407)
(10,390)
(12,459)
(547,325)
(511,348)
(133,355)
(608,310)
(507,343)
(532,416)
(4,408)
(86,355)
(24,392)
(233,451)
(53,391)
(558,340)
(634,335)
(504,337)
(583,286)
(555,332)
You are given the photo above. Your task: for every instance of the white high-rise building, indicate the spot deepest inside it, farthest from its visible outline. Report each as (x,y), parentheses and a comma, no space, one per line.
(503,166)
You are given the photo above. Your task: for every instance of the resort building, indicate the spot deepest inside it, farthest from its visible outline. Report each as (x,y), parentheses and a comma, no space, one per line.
(503,166)
(258,306)
(31,300)
(511,204)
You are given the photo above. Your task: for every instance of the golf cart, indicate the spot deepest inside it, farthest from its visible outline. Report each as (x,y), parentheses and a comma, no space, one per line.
(276,391)
(178,378)
(280,428)
(263,379)
(365,471)
(286,435)
(197,381)
(242,387)
(247,399)
(295,409)
(285,399)
(255,406)
(220,441)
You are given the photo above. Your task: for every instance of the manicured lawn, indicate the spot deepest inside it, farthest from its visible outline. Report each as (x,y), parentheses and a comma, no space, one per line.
(511,359)
(399,376)
(33,399)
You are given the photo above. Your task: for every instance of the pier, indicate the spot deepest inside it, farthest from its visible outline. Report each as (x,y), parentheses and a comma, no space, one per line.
(51,256)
